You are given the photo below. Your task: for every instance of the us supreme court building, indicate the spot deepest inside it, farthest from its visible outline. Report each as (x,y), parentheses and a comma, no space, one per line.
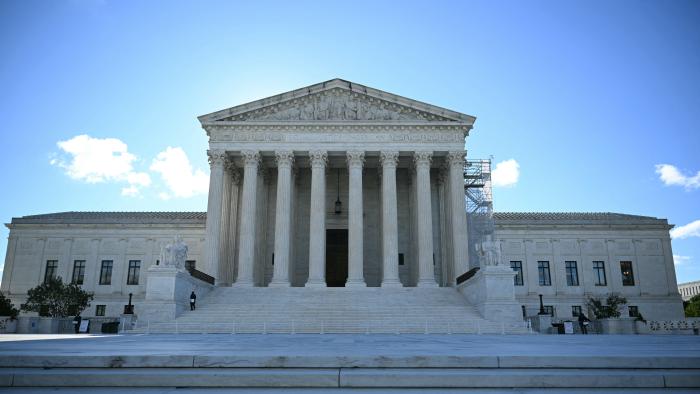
(343,196)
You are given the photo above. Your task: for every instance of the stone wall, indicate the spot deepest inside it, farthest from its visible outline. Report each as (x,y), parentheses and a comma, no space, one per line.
(643,242)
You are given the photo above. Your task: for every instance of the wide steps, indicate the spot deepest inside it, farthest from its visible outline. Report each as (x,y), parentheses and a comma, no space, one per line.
(297,310)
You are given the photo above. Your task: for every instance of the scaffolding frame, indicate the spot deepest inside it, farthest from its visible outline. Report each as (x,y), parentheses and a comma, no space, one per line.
(478,194)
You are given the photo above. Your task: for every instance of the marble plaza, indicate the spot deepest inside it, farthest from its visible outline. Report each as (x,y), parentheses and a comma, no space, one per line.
(339,205)
(600,363)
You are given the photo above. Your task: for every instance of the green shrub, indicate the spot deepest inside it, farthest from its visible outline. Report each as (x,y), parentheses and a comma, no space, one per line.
(53,298)
(6,307)
(611,308)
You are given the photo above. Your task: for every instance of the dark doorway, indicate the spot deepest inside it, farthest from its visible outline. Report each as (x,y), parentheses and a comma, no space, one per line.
(336,257)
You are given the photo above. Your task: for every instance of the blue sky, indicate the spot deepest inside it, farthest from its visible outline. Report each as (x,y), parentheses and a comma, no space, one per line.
(588,98)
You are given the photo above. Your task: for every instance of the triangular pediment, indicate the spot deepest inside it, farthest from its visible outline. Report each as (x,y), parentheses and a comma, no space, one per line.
(336,101)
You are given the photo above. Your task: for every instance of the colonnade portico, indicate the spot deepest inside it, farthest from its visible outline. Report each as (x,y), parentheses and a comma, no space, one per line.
(270,218)
(241,219)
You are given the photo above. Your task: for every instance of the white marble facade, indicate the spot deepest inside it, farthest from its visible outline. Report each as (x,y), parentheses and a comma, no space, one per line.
(278,166)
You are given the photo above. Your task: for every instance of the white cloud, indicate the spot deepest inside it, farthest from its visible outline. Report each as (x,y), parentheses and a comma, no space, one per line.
(671,176)
(96,160)
(691,229)
(506,173)
(678,259)
(183,181)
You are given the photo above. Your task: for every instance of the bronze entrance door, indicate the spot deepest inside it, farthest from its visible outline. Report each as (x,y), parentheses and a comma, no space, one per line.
(336,257)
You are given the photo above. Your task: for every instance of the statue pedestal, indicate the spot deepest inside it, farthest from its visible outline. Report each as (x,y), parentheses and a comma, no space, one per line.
(492,292)
(127,322)
(168,293)
(542,323)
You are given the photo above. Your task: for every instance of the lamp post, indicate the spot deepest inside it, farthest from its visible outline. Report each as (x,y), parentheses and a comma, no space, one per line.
(542,312)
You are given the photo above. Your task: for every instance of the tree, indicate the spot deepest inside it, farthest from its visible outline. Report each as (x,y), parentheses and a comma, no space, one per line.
(6,307)
(53,298)
(692,309)
(611,308)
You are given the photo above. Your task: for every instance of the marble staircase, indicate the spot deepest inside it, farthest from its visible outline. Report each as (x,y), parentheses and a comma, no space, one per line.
(331,310)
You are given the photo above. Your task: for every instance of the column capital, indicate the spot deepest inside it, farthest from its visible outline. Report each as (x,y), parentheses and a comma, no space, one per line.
(284,158)
(229,164)
(216,157)
(389,158)
(235,176)
(422,158)
(318,158)
(251,157)
(355,158)
(456,158)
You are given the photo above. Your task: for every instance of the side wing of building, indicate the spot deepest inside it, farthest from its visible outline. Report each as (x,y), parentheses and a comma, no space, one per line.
(107,253)
(569,257)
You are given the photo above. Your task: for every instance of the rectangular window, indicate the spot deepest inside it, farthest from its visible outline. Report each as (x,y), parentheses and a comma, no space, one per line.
(401,259)
(543,269)
(134,269)
(190,264)
(100,310)
(517,266)
(571,273)
(549,309)
(524,310)
(51,267)
(576,311)
(78,271)
(599,273)
(627,273)
(106,272)
(633,311)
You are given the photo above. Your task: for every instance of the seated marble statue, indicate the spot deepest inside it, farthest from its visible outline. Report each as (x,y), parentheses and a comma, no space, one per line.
(174,254)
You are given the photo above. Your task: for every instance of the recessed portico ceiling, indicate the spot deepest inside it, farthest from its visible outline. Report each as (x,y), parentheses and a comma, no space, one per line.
(336,100)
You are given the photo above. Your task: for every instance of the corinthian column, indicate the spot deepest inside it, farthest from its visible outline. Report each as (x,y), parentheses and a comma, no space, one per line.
(317,220)
(426,272)
(213,236)
(460,244)
(280,275)
(390,243)
(355,241)
(246,252)
(223,266)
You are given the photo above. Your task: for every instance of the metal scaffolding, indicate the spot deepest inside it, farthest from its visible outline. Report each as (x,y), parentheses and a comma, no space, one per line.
(479,197)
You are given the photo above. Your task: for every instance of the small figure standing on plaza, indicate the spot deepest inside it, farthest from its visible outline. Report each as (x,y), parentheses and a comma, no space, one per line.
(76,322)
(583,322)
(193,299)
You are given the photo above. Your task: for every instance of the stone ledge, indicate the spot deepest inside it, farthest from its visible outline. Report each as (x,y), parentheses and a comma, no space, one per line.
(353,377)
(345,361)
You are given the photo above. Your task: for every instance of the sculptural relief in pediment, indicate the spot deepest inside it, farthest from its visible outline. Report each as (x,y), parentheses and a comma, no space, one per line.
(336,105)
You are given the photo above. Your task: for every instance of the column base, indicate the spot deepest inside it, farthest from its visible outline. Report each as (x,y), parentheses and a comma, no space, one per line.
(279,284)
(243,284)
(315,283)
(355,283)
(427,283)
(392,283)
